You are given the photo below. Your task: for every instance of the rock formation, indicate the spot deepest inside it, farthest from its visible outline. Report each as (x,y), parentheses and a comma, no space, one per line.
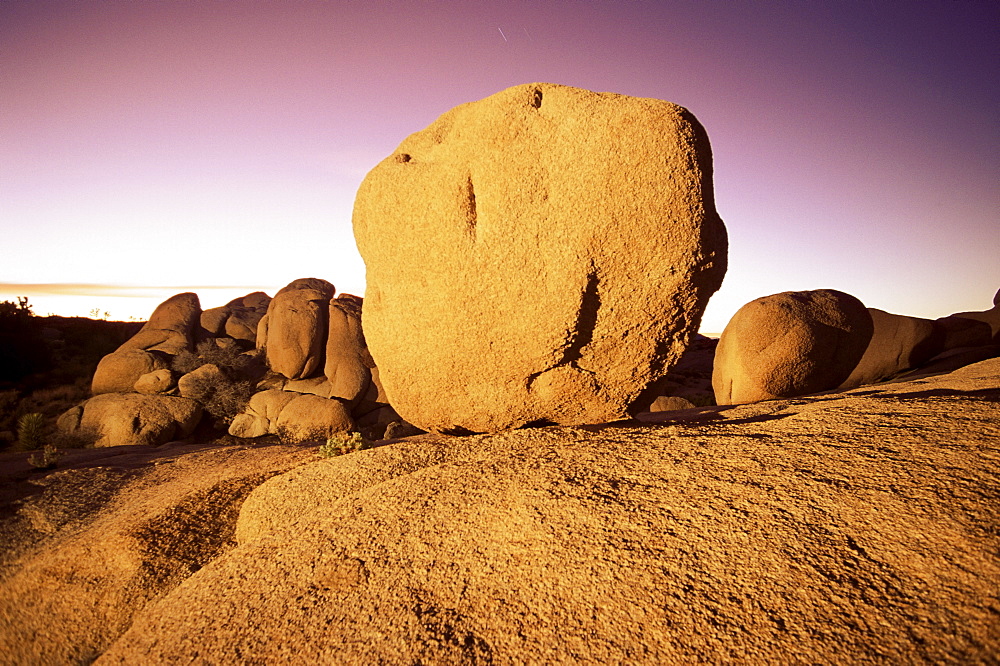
(297,320)
(122,419)
(898,343)
(789,344)
(170,328)
(541,255)
(304,333)
(237,319)
(858,527)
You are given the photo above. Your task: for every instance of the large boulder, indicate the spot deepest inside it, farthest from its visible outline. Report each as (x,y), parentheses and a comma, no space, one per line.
(118,371)
(540,255)
(898,343)
(312,418)
(123,419)
(260,416)
(789,344)
(295,332)
(170,328)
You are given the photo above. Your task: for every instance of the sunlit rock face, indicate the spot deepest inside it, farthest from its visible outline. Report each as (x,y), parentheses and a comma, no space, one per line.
(296,328)
(788,344)
(540,255)
(170,328)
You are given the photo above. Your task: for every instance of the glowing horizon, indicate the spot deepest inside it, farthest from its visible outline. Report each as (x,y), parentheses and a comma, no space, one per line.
(148,143)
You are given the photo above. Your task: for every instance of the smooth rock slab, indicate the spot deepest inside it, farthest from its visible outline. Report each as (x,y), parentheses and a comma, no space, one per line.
(540,255)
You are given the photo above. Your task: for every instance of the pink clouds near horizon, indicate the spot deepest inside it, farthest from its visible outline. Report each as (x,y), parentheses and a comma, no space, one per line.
(158,143)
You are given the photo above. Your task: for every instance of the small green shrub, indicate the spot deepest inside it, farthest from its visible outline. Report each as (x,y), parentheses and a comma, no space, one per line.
(46,458)
(342,443)
(31,431)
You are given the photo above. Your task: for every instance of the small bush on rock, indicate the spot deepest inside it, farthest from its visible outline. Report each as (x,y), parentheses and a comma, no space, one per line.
(342,443)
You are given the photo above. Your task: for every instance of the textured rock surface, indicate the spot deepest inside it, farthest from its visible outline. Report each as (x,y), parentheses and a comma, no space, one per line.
(788,344)
(859,527)
(125,419)
(542,254)
(261,414)
(119,371)
(348,363)
(83,547)
(295,332)
(157,381)
(170,328)
(312,418)
(897,344)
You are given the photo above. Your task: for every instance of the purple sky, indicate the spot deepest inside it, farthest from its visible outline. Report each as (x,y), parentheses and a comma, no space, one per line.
(217,146)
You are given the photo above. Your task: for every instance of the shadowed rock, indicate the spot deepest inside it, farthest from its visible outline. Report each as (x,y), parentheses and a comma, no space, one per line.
(237,319)
(790,344)
(539,255)
(348,363)
(897,344)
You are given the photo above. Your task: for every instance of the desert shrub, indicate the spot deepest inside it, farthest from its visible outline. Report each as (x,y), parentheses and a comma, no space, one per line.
(231,360)
(221,396)
(227,399)
(342,443)
(55,400)
(46,458)
(82,438)
(31,431)
(701,399)
(186,361)
(9,401)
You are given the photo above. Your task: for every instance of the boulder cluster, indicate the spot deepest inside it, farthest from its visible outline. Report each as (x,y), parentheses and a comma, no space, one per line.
(295,366)
(541,256)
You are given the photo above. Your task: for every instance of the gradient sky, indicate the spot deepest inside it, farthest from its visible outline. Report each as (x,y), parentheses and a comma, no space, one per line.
(148,148)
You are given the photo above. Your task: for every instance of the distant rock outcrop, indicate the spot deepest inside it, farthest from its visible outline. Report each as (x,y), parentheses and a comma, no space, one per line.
(789,344)
(540,255)
(297,342)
